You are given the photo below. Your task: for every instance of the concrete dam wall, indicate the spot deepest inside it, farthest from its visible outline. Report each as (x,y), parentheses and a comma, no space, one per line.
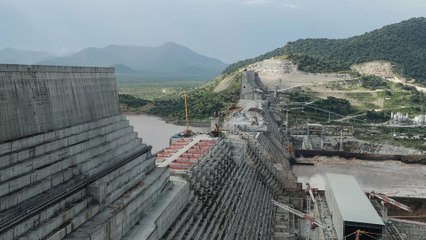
(37,99)
(71,167)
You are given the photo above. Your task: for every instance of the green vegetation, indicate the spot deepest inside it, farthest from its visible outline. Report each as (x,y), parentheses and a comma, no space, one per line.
(202,101)
(131,104)
(165,99)
(300,96)
(148,91)
(403,98)
(377,117)
(403,43)
(137,94)
(131,101)
(317,64)
(151,88)
(385,135)
(337,105)
(374,83)
(375,99)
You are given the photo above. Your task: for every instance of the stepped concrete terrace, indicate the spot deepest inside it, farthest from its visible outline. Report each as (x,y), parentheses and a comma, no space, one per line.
(71,167)
(231,187)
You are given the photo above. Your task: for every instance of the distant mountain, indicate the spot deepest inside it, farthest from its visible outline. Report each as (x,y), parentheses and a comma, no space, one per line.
(15,56)
(123,69)
(168,60)
(402,43)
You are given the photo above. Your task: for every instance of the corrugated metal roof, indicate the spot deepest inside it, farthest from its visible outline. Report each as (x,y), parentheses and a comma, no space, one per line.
(352,202)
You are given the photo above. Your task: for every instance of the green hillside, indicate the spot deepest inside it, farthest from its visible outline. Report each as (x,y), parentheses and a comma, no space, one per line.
(402,43)
(202,101)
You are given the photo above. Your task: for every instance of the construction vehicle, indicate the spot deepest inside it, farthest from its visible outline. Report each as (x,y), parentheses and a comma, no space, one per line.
(314,222)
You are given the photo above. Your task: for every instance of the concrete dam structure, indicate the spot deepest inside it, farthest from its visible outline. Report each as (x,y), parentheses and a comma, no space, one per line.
(71,167)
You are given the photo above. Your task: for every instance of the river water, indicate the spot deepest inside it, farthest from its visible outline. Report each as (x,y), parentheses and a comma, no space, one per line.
(155,131)
(390,177)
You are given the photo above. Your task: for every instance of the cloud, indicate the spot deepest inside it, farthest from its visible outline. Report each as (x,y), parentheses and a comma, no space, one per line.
(256,2)
(290,5)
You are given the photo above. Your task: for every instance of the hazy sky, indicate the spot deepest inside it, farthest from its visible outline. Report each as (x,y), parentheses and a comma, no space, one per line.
(229,30)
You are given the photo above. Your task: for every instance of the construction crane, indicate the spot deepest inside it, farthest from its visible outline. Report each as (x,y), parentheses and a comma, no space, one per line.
(303,215)
(389,200)
(309,191)
(187,132)
(386,201)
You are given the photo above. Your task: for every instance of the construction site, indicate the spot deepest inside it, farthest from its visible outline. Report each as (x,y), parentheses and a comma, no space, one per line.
(71,167)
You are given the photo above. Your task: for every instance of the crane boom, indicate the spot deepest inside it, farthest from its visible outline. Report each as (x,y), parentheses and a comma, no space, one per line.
(309,190)
(298,213)
(387,199)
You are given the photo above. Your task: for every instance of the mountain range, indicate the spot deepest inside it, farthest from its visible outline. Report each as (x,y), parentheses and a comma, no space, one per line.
(169,60)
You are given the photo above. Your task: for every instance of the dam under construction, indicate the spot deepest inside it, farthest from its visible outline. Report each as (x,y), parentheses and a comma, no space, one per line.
(72,167)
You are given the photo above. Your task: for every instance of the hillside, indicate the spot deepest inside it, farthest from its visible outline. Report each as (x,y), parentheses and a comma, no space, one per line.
(402,43)
(167,60)
(15,56)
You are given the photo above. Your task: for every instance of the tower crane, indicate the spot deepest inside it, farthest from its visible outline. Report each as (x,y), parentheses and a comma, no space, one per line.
(187,132)
(300,214)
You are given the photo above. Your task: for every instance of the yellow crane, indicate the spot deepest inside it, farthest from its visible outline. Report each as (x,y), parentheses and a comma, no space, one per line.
(187,132)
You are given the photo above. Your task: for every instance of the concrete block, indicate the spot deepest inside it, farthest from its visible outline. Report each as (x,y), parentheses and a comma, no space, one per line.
(5,148)
(4,161)
(69,228)
(58,235)
(23,227)
(22,155)
(8,201)
(78,220)
(40,161)
(57,179)
(97,192)
(17,145)
(7,235)
(19,183)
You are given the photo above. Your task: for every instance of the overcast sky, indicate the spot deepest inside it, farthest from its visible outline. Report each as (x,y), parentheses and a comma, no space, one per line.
(229,30)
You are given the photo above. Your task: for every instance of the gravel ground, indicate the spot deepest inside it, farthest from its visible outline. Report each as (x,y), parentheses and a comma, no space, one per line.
(393,178)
